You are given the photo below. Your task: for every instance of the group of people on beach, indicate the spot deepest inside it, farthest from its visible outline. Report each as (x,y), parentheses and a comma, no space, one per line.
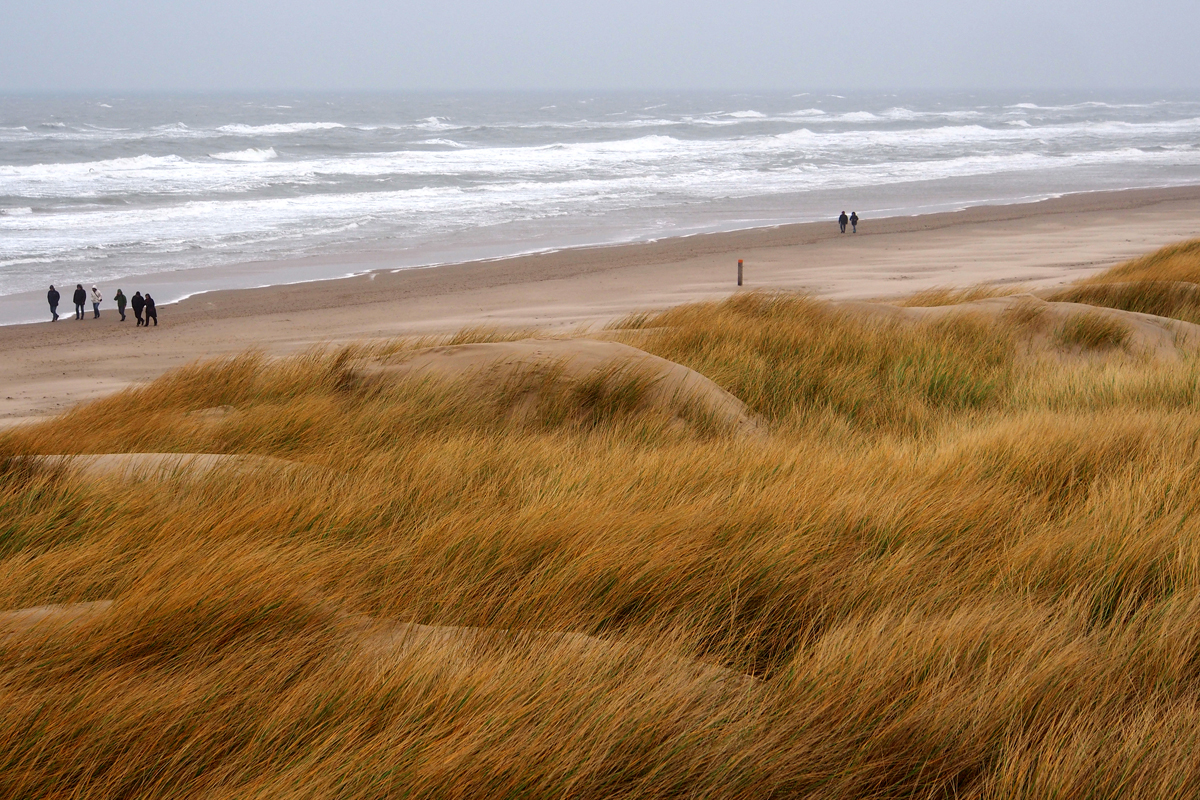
(142,304)
(852,220)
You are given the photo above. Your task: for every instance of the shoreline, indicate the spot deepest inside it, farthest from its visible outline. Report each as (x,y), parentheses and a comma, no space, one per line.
(362,261)
(51,366)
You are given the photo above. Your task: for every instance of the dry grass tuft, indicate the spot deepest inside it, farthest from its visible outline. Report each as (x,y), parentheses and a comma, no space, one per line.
(953,569)
(1163,283)
(1161,298)
(954,295)
(1091,331)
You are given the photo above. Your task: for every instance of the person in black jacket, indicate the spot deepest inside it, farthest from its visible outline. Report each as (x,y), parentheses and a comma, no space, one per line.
(842,220)
(138,303)
(52,298)
(151,311)
(854,222)
(80,297)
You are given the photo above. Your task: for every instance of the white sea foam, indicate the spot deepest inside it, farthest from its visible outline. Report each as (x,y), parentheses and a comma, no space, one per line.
(252,154)
(278,128)
(747,115)
(16,211)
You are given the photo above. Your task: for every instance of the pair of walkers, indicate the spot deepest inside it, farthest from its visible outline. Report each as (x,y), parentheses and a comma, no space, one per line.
(143,305)
(852,220)
(140,304)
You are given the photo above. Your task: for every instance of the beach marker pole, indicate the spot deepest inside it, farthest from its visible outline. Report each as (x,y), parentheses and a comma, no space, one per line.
(739,272)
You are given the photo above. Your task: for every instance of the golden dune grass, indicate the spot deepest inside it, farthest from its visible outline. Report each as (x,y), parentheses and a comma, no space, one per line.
(955,568)
(1164,283)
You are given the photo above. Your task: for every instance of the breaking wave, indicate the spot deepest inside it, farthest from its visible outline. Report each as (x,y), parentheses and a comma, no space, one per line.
(252,154)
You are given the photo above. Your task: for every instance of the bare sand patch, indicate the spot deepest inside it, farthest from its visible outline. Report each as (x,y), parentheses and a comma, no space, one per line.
(22,620)
(156,466)
(389,642)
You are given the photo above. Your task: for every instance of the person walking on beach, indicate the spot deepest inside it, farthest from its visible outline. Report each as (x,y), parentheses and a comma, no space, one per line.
(96,299)
(151,311)
(138,304)
(80,297)
(854,222)
(842,220)
(52,297)
(120,298)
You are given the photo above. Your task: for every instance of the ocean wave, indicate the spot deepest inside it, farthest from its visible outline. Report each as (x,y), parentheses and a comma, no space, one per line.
(173,130)
(434,124)
(53,125)
(252,154)
(17,211)
(440,160)
(278,128)
(746,115)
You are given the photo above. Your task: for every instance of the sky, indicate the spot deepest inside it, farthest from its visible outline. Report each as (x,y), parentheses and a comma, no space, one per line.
(404,45)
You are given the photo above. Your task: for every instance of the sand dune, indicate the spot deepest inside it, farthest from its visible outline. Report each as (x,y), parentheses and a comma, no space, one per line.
(671,386)
(1146,333)
(132,466)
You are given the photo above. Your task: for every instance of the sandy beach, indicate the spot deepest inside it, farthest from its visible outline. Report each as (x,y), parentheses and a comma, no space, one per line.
(49,367)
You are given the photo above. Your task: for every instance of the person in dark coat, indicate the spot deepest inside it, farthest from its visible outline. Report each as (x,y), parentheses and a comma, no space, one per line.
(854,222)
(138,303)
(80,297)
(151,311)
(842,220)
(120,298)
(52,298)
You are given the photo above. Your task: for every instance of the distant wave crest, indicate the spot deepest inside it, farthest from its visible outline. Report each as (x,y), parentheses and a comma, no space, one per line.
(280,128)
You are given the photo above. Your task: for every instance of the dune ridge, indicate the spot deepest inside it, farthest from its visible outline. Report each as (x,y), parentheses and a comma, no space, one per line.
(491,366)
(1144,333)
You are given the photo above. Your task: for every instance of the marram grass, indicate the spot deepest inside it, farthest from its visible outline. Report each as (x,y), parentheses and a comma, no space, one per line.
(952,569)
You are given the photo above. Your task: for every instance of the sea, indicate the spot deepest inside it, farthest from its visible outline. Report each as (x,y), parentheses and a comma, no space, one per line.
(189,193)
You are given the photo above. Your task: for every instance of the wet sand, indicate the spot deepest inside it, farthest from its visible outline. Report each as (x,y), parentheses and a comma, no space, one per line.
(49,367)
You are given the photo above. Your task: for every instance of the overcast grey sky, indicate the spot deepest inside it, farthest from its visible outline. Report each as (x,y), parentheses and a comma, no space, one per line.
(132,45)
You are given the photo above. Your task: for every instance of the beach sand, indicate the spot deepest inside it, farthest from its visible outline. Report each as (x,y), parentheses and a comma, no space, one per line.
(49,367)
